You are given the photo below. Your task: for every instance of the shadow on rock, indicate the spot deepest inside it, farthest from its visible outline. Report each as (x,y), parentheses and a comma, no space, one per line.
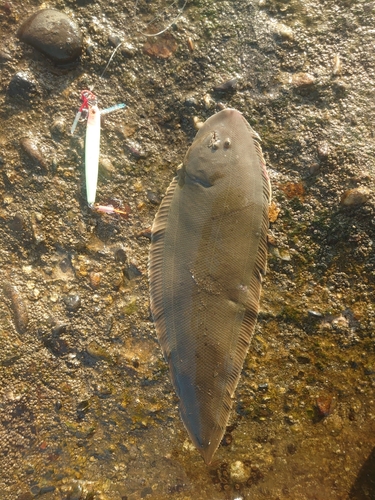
(364,486)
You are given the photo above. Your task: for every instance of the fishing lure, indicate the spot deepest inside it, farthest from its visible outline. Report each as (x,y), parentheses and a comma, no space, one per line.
(110,209)
(90,111)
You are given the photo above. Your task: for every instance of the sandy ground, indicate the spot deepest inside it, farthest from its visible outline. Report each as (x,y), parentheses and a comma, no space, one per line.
(87,410)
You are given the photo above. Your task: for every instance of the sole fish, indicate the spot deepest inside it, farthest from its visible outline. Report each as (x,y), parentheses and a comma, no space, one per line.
(207,258)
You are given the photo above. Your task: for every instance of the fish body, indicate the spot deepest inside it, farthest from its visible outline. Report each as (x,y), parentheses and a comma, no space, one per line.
(208,254)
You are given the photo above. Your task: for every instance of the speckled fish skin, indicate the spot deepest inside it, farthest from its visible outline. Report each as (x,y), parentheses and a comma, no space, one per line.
(208,254)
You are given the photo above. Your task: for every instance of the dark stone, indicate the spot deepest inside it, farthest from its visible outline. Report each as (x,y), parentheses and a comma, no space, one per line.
(146,491)
(131,272)
(22,85)
(106,229)
(72,302)
(65,265)
(120,255)
(35,490)
(53,34)
(46,489)
(153,197)
(304,360)
(227,439)
(128,50)
(291,448)
(82,409)
(18,223)
(227,86)
(59,329)
(114,40)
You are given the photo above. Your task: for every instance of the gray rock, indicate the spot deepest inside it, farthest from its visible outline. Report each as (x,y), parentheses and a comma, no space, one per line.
(54,34)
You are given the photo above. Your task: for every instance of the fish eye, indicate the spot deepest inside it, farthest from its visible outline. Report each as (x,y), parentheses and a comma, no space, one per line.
(227,143)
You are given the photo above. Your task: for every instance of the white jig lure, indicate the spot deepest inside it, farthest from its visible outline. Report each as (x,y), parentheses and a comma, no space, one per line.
(92,150)
(92,141)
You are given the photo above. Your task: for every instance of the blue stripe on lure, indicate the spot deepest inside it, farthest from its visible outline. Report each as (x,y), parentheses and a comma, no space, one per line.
(112,108)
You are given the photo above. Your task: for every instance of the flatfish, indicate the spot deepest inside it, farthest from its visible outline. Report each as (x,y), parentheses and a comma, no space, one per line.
(207,258)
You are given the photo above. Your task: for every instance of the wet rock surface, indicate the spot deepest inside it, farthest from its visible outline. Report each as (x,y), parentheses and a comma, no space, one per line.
(22,85)
(54,34)
(86,405)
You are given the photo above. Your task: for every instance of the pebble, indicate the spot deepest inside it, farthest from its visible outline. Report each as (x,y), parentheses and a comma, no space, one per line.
(190,44)
(35,490)
(114,40)
(72,302)
(65,265)
(46,489)
(58,128)
(273,212)
(197,123)
(336,65)
(314,314)
(324,405)
(22,85)
(102,391)
(208,101)
(82,409)
(33,152)
(106,167)
(314,169)
(120,255)
(5,56)
(284,31)
(18,306)
(238,471)
(323,150)
(356,196)
(18,223)
(135,149)
(128,50)
(59,329)
(303,80)
(153,197)
(95,279)
(145,233)
(333,424)
(131,271)
(38,234)
(190,101)
(54,34)
(227,86)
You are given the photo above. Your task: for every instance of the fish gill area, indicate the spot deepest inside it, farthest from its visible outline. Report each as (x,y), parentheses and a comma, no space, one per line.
(87,410)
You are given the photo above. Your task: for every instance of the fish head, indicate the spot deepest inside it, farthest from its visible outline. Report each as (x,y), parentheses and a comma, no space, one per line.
(221,142)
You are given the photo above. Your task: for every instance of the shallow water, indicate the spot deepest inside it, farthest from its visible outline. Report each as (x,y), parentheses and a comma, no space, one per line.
(87,409)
